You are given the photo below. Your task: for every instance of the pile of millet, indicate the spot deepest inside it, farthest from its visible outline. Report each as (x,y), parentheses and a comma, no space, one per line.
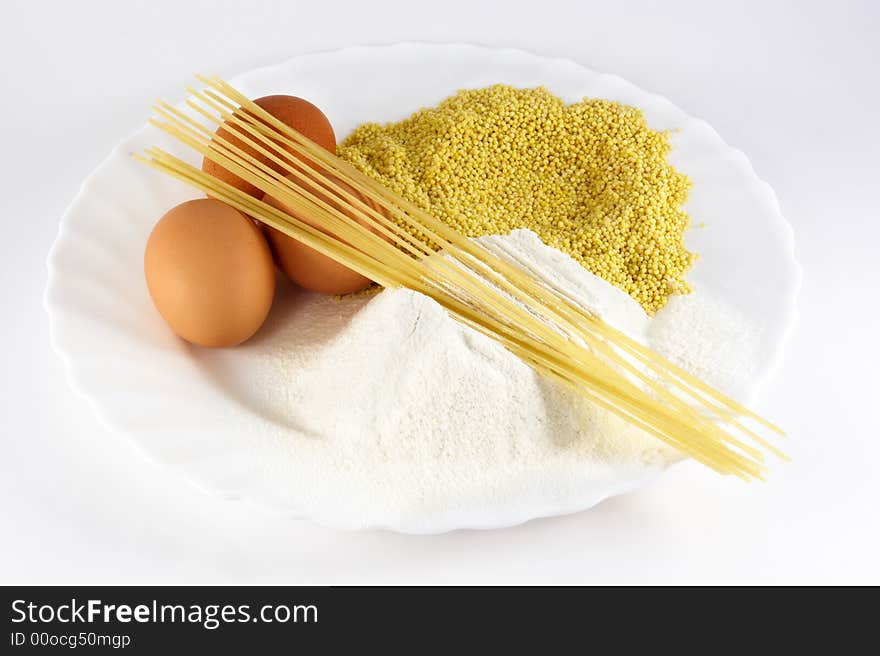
(591,179)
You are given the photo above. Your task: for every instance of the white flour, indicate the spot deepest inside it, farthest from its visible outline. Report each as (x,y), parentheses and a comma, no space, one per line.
(392,403)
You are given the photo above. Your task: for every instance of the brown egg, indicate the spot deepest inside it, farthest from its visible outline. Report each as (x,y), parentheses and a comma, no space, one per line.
(299,114)
(306,266)
(210,273)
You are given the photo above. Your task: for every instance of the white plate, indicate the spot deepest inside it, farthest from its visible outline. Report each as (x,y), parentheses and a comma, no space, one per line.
(188,407)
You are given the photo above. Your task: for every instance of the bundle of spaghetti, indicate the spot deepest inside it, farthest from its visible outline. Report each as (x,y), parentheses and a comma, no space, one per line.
(540,324)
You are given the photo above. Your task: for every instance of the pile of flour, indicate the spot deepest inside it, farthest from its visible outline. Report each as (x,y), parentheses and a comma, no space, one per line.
(390,403)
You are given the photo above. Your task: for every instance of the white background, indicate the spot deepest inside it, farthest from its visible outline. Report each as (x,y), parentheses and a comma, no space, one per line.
(793,84)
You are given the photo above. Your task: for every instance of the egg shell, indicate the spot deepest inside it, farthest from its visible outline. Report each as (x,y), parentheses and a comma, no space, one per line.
(210,273)
(307,267)
(299,114)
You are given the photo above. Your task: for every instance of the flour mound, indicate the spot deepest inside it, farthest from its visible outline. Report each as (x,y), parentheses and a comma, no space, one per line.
(392,403)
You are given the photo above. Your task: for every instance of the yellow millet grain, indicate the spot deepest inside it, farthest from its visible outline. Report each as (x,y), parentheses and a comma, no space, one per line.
(591,179)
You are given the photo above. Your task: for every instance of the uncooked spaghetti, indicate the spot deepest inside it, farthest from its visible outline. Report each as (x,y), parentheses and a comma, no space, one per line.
(539,324)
